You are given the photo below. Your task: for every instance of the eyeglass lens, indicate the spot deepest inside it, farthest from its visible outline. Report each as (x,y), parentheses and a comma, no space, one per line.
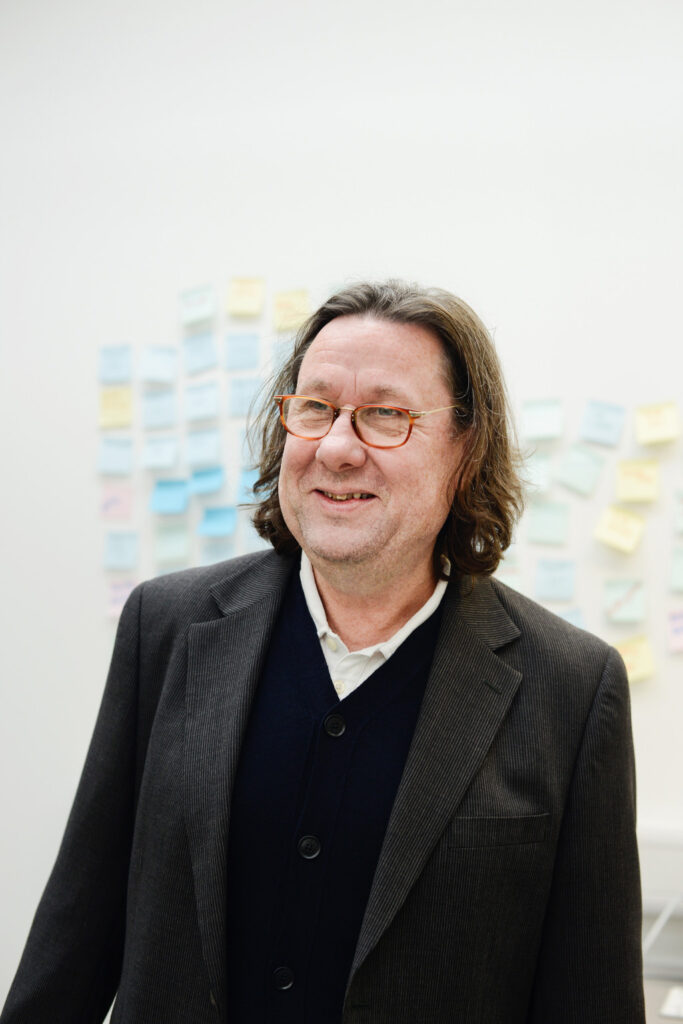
(375,424)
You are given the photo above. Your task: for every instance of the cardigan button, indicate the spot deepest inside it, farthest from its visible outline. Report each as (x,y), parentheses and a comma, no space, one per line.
(309,847)
(283,978)
(334,725)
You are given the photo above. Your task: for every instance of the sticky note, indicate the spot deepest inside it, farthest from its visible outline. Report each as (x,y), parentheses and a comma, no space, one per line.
(242,351)
(290,309)
(118,593)
(542,419)
(656,424)
(602,423)
(121,550)
(158,365)
(580,470)
(248,478)
(555,580)
(219,521)
(537,472)
(170,497)
(672,1008)
(246,296)
(160,452)
(574,616)
(675,631)
(678,511)
(620,529)
(677,570)
(197,305)
(115,456)
(281,350)
(159,409)
(216,549)
(548,523)
(624,600)
(201,401)
(172,544)
(116,407)
(207,481)
(637,480)
(200,352)
(202,447)
(638,658)
(116,501)
(115,364)
(242,392)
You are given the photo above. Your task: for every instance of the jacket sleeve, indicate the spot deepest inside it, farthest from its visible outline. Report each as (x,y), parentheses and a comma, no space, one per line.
(70,967)
(590,964)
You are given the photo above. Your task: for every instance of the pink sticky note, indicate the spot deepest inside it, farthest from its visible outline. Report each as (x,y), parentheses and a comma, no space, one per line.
(675,624)
(116,501)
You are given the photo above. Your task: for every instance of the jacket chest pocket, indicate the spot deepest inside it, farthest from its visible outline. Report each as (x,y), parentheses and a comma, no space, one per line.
(515,831)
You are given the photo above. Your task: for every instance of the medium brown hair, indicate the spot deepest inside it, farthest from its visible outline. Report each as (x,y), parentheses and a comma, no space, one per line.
(488,495)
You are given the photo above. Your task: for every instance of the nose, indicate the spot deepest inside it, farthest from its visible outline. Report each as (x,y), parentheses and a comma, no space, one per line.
(341,448)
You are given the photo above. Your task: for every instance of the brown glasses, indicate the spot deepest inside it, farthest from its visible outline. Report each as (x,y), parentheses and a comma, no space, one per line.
(379,426)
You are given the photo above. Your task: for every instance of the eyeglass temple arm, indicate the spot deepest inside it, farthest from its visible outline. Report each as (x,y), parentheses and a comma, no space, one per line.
(428,412)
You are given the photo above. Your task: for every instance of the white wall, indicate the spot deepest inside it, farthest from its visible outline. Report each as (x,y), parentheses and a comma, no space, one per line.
(528,156)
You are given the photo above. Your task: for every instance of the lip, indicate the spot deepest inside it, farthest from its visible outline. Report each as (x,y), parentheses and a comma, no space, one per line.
(338,502)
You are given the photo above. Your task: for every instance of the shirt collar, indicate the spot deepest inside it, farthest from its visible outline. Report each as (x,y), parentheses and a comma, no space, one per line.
(387,647)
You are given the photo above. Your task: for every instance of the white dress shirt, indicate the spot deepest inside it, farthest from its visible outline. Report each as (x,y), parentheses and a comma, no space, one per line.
(348,669)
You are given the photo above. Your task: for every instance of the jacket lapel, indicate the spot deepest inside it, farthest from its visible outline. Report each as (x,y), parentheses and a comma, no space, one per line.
(225,658)
(467,697)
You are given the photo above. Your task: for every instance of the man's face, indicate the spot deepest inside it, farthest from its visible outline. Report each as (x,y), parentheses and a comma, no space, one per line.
(407,491)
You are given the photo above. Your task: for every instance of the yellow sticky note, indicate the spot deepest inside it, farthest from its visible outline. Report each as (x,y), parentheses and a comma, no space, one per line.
(620,529)
(246,296)
(637,480)
(291,309)
(657,423)
(116,407)
(638,658)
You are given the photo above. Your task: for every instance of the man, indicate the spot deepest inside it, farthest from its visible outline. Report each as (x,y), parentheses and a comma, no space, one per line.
(354,779)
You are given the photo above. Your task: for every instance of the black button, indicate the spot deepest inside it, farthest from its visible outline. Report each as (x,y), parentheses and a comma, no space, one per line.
(308,847)
(283,978)
(334,725)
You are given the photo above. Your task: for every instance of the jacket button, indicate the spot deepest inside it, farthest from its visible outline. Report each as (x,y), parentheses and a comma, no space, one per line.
(308,847)
(334,725)
(283,978)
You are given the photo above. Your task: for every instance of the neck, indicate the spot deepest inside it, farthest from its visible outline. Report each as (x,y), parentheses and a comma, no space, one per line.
(364,611)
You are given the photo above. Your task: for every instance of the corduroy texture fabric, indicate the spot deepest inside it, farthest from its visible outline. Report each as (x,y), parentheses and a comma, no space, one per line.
(507,888)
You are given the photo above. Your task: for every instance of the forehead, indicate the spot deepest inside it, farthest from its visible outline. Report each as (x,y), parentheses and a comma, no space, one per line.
(373,355)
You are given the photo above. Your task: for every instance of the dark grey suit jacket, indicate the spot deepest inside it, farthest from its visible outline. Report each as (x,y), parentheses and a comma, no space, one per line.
(507,888)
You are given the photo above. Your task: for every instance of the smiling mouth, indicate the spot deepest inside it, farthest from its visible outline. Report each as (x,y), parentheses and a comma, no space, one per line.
(347,497)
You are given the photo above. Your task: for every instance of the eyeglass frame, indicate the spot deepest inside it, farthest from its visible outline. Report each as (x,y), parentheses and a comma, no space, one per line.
(412,415)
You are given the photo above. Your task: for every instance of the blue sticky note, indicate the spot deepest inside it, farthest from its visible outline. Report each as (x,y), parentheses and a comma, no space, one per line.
(216,549)
(159,365)
(202,447)
(207,481)
(602,423)
(121,550)
(555,580)
(116,364)
(200,352)
(219,521)
(242,392)
(245,492)
(159,409)
(172,544)
(201,401)
(115,456)
(537,472)
(242,351)
(574,616)
(160,452)
(170,497)
(624,600)
(580,470)
(542,419)
(548,523)
(197,305)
